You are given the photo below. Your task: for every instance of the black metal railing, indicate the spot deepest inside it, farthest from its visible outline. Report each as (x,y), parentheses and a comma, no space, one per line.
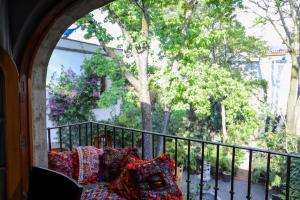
(83,134)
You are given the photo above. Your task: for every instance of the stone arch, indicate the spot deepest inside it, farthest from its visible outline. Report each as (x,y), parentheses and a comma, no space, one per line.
(38,74)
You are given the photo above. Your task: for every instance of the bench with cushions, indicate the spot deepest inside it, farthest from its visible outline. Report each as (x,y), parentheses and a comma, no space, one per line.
(114,173)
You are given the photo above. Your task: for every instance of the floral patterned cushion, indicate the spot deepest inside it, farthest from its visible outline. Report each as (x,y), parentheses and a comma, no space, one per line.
(88,164)
(99,191)
(154,179)
(61,162)
(113,159)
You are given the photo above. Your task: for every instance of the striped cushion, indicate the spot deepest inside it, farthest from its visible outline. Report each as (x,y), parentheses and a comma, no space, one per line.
(88,161)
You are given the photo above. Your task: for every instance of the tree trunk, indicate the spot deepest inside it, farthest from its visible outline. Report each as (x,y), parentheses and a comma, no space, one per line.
(192,118)
(147,125)
(223,116)
(165,128)
(293,95)
(297,116)
(145,101)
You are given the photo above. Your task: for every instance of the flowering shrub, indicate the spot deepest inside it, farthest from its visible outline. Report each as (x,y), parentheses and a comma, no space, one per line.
(71,98)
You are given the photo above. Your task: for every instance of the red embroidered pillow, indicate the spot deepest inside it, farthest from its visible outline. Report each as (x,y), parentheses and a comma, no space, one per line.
(154,179)
(61,162)
(88,164)
(101,175)
(113,159)
(123,185)
(75,161)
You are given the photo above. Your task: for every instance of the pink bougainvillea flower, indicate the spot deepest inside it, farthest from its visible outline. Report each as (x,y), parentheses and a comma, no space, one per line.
(53,106)
(65,92)
(74,93)
(96,94)
(93,81)
(61,110)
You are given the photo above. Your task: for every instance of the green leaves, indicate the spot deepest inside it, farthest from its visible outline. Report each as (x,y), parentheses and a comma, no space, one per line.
(104,67)
(93,28)
(201,45)
(260,20)
(295,182)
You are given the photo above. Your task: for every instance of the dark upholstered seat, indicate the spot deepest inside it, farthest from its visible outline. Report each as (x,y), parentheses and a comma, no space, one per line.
(48,184)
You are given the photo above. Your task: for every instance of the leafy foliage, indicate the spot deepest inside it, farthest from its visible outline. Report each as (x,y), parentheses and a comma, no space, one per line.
(101,66)
(280,142)
(199,63)
(295,182)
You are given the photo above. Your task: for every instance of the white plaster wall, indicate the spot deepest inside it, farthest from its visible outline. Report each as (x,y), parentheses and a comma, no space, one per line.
(68,59)
(104,114)
(277,73)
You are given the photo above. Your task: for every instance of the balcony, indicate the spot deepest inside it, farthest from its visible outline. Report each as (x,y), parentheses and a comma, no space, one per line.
(205,180)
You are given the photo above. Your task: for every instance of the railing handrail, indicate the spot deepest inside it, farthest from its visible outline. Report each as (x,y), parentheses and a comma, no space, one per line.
(182,138)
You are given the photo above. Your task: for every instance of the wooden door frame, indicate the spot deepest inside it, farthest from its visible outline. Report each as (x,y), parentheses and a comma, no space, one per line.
(11,126)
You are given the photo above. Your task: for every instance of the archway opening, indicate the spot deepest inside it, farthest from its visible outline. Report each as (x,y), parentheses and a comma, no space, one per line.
(39,72)
(217,102)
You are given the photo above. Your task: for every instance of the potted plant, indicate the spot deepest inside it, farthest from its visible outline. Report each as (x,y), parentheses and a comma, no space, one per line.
(225,168)
(225,162)
(277,197)
(259,171)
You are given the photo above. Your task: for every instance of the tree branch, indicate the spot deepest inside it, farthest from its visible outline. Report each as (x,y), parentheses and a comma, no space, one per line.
(287,43)
(285,27)
(185,27)
(117,19)
(137,4)
(293,11)
(188,15)
(145,21)
(146,18)
(295,17)
(129,40)
(297,10)
(272,21)
(110,53)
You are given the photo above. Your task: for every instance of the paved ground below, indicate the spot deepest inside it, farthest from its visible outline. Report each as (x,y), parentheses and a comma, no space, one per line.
(240,188)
